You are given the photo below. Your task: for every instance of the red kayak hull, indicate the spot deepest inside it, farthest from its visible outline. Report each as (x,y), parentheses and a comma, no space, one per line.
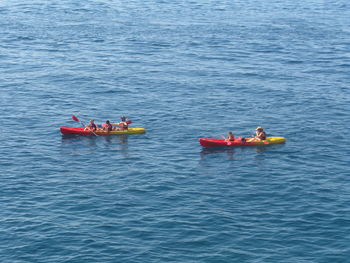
(211,142)
(82,131)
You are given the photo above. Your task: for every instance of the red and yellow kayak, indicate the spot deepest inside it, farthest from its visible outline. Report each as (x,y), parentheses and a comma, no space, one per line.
(81,131)
(208,142)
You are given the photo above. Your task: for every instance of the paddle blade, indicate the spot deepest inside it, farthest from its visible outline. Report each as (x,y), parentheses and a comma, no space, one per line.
(75,118)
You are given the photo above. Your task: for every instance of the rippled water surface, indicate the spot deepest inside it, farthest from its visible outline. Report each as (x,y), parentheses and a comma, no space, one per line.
(182,70)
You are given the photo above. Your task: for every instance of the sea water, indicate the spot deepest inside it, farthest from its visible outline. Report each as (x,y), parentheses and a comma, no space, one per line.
(183,70)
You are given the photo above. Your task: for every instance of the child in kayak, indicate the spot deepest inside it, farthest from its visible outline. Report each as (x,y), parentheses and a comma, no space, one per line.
(260,134)
(231,138)
(107,126)
(91,127)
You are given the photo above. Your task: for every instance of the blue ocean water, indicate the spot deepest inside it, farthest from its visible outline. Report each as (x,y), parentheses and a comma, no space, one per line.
(182,70)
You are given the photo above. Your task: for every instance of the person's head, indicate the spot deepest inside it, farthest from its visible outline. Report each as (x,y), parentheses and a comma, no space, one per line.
(91,121)
(230,134)
(107,122)
(259,129)
(123,118)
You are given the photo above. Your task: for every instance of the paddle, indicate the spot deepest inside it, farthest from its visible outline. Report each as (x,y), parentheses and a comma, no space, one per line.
(74,118)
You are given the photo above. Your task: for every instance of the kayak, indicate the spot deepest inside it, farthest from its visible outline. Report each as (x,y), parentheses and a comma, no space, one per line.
(81,131)
(207,142)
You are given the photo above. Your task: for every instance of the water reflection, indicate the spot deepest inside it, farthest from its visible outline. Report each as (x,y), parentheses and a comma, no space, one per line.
(78,143)
(72,138)
(234,152)
(231,150)
(122,141)
(216,150)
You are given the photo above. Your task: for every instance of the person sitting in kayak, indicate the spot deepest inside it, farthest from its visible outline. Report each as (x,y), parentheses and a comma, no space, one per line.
(260,134)
(107,126)
(124,124)
(91,127)
(230,137)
